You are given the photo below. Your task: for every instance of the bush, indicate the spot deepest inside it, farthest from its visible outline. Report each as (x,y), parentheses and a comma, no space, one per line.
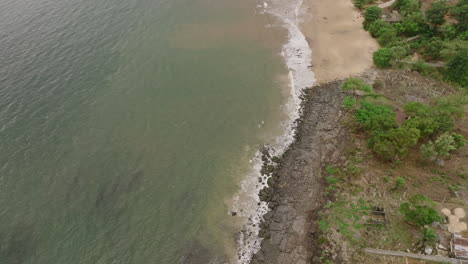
(448,31)
(349,102)
(442,146)
(400,182)
(436,13)
(413,24)
(378,25)
(429,237)
(460,13)
(375,118)
(353,84)
(372,13)
(394,144)
(420,211)
(387,36)
(359,3)
(382,57)
(407,7)
(432,48)
(398,53)
(457,69)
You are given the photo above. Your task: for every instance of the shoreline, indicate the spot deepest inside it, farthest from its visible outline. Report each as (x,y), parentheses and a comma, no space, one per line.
(339,49)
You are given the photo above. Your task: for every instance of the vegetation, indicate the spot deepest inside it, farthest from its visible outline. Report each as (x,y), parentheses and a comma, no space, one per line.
(375,118)
(436,13)
(382,57)
(372,14)
(355,84)
(419,210)
(443,145)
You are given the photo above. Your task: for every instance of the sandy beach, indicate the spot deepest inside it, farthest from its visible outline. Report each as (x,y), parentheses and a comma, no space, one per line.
(340,46)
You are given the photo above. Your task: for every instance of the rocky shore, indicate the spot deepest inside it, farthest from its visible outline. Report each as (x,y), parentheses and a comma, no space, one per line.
(295,192)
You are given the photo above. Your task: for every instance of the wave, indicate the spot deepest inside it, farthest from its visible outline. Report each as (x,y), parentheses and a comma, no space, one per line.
(297,55)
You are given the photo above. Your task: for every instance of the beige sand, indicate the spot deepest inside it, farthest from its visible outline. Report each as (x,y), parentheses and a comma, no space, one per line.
(340,46)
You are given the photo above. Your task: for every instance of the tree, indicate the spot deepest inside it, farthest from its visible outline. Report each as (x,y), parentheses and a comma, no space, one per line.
(433,48)
(460,13)
(413,24)
(442,146)
(458,68)
(420,211)
(382,57)
(429,237)
(394,144)
(372,13)
(376,27)
(375,118)
(407,7)
(387,36)
(436,13)
(359,3)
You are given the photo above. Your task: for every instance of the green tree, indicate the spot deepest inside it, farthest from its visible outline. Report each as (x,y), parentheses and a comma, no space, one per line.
(429,237)
(436,13)
(458,68)
(387,36)
(407,7)
(460,13)
(372,13)
(394,144)
(443,145)
(433,48)
(359,3)
(420,211)
(382,57)
(375,118)
(413,24)
(377,26)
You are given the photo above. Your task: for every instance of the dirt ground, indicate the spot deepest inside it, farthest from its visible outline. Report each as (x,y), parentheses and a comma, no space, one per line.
(370,181)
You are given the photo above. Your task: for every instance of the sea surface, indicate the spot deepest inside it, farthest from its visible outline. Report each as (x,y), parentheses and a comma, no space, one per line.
(129,128)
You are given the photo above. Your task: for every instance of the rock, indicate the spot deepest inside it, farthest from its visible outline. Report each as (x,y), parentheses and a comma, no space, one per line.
(233,213)
(428,250)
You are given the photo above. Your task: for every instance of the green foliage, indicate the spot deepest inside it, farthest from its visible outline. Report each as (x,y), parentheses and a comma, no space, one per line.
(372,13)
(353,84)
(407,7)
(349,102)
(378,25)
(452,48)
(448,31)
(398,53)
(330,170)
(458,69)
(345,217)
(435,14)
(387,36)
(429,236)
(442,146)
(432,48)
(394,144)
(359,3)
(331,180)
(420,211)
(413,24)
(382,57)
(375,118)
(460,13)
(400,182)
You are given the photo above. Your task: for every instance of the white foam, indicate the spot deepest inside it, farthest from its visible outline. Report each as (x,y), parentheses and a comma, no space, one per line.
(297,55)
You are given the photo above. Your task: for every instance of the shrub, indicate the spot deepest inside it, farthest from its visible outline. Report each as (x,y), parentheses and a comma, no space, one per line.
(382,57)
(448,31)
(420,211)
(387,36)
(398,53)
(375,118)
(413,24)
(353,84)
(407,7)
(429,237)
(436,13)
(442,146)
(378,25)
(432,48)
(348,102)
(359,3)
(457,69)
(394,144)
(372,13)
(460,13)
(399,182)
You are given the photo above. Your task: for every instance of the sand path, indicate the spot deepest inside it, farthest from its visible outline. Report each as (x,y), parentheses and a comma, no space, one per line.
(340,46)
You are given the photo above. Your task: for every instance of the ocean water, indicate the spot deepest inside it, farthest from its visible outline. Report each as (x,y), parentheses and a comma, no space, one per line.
(130,129)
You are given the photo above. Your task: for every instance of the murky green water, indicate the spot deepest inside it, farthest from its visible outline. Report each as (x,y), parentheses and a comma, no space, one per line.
(126,125)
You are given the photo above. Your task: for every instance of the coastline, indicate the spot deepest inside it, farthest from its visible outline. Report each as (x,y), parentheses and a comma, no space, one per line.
(339,48)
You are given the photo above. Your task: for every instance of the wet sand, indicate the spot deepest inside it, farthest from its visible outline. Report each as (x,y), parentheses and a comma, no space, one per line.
(340,46)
